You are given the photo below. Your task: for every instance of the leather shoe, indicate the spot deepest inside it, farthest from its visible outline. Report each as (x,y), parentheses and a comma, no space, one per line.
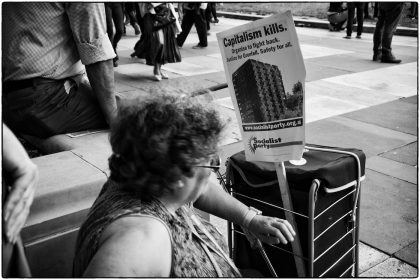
(377,56)
(389,59)
(198,46)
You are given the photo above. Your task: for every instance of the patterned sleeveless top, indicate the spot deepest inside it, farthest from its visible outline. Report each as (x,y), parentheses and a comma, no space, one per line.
(189,257)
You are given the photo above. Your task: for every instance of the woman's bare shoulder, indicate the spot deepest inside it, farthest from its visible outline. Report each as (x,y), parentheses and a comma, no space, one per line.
(133,246)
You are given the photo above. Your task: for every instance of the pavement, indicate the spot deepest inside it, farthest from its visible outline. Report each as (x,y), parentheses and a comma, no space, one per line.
(351,101)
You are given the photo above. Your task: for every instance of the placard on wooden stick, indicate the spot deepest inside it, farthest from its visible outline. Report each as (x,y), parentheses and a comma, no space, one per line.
(265,74)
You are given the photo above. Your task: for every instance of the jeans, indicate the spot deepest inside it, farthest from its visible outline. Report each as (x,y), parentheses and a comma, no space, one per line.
(51,107)
(359,6)
(388,17)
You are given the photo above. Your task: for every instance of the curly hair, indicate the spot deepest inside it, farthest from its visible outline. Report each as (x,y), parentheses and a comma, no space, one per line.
(158,140)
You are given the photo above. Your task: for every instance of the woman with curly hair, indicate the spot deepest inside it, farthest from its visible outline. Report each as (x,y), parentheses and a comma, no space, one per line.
(142,223)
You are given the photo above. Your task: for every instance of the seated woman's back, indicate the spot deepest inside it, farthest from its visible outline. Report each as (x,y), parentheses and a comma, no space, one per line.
(124,236)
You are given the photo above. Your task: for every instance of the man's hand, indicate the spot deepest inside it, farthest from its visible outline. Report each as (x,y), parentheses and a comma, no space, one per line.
(271,230)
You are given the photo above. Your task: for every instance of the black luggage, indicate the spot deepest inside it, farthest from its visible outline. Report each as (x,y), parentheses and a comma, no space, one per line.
(325,193)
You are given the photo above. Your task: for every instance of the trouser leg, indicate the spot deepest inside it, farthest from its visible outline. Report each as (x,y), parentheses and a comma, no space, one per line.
(213,10)
(350,8)
(360,19)
(109,24)
(200,25)
(391,22)
(49,108)
(208,16)
(186,25)
(377,35)
(118,18)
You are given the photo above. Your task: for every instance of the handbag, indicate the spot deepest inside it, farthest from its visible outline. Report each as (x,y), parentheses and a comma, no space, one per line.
(163,17)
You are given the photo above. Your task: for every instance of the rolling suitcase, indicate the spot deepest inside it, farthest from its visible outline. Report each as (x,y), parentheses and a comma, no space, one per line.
(325,193)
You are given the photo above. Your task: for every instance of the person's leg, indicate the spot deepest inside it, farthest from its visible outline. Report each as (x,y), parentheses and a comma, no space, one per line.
(350,9)
(130,11)
(118,18)
(377,36)
(109,24)
(200,25)
(186,25)
(139,17)
(359,11)
(208,16)
(53,107)
(375,9)
(392,17)
(366,10)
(213,11)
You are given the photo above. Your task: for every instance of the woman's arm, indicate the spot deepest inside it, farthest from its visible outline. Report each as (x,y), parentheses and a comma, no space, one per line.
(23,175)
(270,230)
(132,247)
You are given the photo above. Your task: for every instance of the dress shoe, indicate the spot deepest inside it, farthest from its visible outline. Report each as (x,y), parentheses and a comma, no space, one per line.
(377,56)
(389,59)
(198,46)
(359,37)
(347,37)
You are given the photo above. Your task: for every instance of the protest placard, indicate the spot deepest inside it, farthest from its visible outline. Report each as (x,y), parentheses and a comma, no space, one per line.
(265,73)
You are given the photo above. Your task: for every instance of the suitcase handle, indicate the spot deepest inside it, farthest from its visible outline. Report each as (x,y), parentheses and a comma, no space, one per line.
(359,173)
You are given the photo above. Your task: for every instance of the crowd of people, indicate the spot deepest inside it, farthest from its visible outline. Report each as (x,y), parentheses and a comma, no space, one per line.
(58,77)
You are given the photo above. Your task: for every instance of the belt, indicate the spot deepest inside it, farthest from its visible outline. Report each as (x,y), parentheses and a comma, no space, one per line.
(10,86)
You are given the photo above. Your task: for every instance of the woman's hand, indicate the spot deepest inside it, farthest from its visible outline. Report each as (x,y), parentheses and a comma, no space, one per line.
(19,201)
(271,230)
(23,176)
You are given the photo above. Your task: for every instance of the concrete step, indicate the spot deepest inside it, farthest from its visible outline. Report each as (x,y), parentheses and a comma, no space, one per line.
(68,185)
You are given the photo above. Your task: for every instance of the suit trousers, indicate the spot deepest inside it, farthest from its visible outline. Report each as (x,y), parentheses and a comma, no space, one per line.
(199,19)
(388,17)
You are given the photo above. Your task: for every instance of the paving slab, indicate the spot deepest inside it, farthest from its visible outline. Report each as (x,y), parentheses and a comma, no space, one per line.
(409,254)
(388,214)
(407,154)
(181,85)
(347,93)
(411,99)
(396,115)
(391,268)
(316,71)
(343,132)
(402,84)
(369,257)
(393,168)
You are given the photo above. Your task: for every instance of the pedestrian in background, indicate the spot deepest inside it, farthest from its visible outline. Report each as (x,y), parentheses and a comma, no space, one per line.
(130,16)
(20,176)
(337,16)
(194,14)
(114,12)
(389,13)
(351,6)
(158,44)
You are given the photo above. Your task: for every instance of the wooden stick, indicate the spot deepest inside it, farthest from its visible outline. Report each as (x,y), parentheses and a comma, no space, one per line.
(287,204)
